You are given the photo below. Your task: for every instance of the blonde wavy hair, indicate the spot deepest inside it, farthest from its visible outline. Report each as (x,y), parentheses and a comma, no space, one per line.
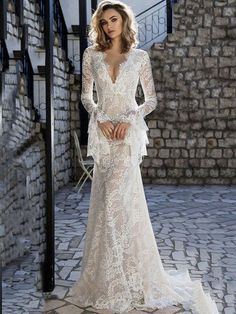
(99,38)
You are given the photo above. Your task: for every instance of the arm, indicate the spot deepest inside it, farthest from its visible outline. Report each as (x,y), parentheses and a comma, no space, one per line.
(87,88)
(147,83)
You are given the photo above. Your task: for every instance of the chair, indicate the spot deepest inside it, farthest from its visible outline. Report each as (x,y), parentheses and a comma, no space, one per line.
(141,164)
(86,165)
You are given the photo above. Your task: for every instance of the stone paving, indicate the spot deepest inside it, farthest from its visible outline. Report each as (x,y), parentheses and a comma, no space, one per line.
(195,227)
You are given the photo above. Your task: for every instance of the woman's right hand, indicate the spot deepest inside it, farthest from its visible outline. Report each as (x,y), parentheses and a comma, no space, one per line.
(107,129)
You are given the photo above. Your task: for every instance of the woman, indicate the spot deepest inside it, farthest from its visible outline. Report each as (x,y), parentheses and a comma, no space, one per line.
(121,266)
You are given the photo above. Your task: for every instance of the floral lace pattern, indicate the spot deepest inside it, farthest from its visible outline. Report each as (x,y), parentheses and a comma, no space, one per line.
(121,267)
(124,108)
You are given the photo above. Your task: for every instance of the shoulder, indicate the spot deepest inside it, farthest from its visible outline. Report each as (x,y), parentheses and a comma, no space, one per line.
(91,53)
(141,52)
(143,55)
(90,50)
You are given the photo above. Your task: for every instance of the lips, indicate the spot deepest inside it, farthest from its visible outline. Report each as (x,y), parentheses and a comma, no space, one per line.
(110,32)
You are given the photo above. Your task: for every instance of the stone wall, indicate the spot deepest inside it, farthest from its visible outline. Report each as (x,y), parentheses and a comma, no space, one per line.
(62,116)
(23,176)
(75,123)
(22,161)
(193,132)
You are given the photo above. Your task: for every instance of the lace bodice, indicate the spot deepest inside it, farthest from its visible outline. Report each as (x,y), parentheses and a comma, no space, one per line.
(116,100)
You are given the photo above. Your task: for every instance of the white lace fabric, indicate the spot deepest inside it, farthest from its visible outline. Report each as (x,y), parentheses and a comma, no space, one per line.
(124,106)
(121,267)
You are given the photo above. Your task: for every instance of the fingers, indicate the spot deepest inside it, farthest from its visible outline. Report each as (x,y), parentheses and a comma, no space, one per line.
(107,129)
(110,129)
(115,131)
(120,131)
(111,132)
(105,133)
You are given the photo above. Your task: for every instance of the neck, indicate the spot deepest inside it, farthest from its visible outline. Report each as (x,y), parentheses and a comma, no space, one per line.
(116,44)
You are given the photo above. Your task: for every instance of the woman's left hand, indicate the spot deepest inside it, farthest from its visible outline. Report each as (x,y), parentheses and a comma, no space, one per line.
(120,130)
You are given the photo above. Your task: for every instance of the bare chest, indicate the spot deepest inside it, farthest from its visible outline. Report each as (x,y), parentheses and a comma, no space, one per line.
(114,63)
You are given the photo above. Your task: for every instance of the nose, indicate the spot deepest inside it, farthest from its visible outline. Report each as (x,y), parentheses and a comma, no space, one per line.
(109,25)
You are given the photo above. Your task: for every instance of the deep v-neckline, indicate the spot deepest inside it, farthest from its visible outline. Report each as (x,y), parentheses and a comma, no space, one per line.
(121,66)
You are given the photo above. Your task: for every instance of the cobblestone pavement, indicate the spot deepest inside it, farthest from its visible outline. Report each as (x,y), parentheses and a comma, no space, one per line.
(195,227)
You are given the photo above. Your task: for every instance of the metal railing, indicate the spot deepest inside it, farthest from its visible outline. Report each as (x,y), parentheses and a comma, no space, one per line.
(41,4)
(28,71)
(41,7)
(60,24)
(74,51)
(29,75)
(48,265)
(3,19)
(169,14)
(4,57)
(18,5)
(152,23)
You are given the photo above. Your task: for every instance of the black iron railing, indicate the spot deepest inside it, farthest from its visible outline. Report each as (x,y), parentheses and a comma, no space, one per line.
(151,23)
(41,4)
(169,14)
(19,4)
(48,266)
(3,19)
(4,57)
(60,24)
(27,66)
(28,70)
(2,87)
(29,75)
(94,4)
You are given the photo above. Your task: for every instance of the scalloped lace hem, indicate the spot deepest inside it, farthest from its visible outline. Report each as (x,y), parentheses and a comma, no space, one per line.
(186,293)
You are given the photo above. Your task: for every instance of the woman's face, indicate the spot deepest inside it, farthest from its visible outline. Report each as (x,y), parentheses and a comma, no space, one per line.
(111,22)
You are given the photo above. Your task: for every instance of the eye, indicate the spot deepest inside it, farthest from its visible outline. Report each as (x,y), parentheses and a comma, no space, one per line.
(103,23)
(115,19)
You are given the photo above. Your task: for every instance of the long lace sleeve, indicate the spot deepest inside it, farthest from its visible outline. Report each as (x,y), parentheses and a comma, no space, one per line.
(87,83)
(147,82)
(150,99)
(87,88)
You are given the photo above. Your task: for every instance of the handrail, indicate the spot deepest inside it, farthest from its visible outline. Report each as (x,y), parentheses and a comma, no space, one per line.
(41,9)
(141,13)
(155,21)
(28,72)
(3,19)
(18,4)
(48,268)
(41,4)
(151,23)
(169,14)
(2,86)
(4,57)
(61,25)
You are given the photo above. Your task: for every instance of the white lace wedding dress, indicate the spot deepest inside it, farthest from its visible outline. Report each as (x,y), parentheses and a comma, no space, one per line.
(121,266)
